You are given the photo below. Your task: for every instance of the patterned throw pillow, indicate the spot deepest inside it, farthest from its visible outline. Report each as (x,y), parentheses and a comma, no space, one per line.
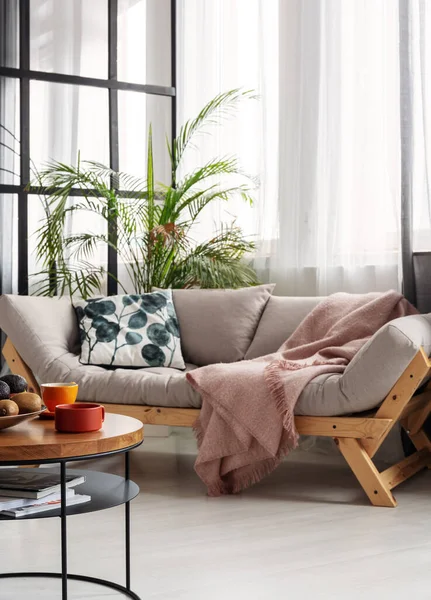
(130,331)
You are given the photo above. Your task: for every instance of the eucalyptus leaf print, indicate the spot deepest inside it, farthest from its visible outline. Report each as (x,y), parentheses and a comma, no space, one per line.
(153,355)
(98,321)
(132,338)
(130,330)
(82,335)
(158,334)
(152,303)
(107,332)
(138,320)
(173,327)
(171,310)
(96,309)
(80,313)
(131,299)
(127,300)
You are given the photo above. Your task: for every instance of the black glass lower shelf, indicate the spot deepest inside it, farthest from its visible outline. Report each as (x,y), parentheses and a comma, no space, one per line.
(106,491)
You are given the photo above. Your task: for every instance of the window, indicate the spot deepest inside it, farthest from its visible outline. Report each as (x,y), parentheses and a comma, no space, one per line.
(85,77)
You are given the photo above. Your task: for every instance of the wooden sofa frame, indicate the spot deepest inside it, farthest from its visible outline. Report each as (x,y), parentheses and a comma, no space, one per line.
(358,438)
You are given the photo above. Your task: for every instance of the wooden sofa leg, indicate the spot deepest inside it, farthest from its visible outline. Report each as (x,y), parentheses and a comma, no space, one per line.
(366,472)
(420,441)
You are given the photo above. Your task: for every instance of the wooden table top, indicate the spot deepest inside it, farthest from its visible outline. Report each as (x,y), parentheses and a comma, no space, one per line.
(38,440)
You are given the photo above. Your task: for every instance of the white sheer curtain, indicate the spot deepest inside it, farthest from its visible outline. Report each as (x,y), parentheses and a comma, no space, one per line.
(419,14)
(324,138)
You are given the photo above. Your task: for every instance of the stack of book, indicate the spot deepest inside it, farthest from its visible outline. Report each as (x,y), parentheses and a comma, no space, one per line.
(29,491)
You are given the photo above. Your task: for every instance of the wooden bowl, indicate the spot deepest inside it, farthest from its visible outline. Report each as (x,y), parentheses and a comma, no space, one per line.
(11,421)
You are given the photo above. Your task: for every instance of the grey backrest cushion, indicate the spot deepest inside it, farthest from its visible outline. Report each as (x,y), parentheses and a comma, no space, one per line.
(380,362)
(281,317)
(219,325)
(44,331)
(372,373)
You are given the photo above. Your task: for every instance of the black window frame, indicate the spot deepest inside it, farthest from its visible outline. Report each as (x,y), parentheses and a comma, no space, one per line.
(24,74)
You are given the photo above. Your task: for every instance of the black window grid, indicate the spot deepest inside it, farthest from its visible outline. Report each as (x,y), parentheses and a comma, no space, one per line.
(24,74)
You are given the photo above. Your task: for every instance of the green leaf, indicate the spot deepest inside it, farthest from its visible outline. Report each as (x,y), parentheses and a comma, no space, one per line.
(219,108)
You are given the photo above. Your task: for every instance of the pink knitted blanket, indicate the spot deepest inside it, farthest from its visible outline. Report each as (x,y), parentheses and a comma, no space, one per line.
(246,425)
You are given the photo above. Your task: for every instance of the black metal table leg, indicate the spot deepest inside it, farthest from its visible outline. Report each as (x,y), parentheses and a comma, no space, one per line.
(64,576)
(127,519)
(63,517)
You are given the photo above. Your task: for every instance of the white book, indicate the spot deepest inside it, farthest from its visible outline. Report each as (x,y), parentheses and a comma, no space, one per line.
(45,507)
(7,503)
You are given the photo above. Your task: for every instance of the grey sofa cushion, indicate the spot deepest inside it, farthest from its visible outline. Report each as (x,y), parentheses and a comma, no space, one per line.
(281,317)
(219,325)
(372,373)
(156,386)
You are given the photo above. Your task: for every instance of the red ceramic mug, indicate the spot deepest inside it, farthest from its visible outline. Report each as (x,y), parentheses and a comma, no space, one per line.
(79,417)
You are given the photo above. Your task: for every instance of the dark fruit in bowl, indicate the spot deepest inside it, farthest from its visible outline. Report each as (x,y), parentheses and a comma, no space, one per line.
(8,408)
(4,391)
(16,383)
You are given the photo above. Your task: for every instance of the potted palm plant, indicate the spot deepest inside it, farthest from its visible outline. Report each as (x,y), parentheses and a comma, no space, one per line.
(149,225)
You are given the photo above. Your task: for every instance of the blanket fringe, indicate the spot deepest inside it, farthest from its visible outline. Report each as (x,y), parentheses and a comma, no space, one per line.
(198,431)
(245,480)
(276,388)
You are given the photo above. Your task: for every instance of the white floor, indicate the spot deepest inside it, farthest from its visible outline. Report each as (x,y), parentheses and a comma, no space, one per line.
(306,532)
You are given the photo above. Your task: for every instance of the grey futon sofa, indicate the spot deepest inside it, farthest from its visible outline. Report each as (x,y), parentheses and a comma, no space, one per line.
(381,386)
(215,326)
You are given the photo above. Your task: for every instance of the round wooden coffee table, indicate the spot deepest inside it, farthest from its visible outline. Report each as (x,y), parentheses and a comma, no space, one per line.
(37,442)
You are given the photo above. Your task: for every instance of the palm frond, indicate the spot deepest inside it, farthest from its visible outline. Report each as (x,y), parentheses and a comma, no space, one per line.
(212,272)
(219,108)
(83,279)
(199,201)
(220,262)
(83,246)
(196,184)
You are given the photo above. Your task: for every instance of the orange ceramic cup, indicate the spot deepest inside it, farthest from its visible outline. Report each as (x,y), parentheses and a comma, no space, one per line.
(58,393)
(79,417)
